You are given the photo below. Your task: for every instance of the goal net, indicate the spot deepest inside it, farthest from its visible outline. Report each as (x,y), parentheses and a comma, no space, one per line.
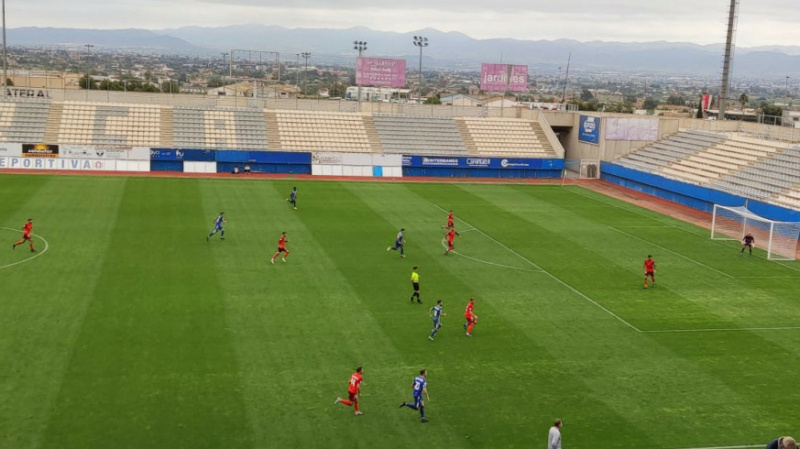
(778,238)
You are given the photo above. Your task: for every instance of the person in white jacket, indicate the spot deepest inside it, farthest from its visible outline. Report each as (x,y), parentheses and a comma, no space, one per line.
(554,437)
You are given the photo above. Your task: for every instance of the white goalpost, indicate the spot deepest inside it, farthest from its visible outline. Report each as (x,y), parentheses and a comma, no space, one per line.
(778,238)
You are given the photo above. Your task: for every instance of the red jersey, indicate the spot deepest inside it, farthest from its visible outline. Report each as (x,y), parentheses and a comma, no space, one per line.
(649,265)
(355,382)
(470,305)
(282,242)
(451,235)
(27,229)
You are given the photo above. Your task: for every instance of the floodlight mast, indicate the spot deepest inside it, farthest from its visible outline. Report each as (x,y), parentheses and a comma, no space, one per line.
(733,15)
(361,46)
(421,42)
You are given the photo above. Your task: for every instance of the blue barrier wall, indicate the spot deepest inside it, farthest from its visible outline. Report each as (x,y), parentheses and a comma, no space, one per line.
(168,159)
(481,167)
(166,166)
(479,173)
(698,197)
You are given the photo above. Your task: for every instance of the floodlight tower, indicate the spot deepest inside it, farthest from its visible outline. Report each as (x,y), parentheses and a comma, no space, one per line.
(305,56)
(5,54)
(421,42)
(361,46)
(88,70)
(733,17)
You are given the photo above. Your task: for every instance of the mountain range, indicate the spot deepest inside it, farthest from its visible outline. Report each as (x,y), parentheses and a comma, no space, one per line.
(447,49)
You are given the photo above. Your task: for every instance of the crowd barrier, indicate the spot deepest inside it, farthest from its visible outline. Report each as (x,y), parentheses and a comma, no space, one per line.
(698,197)
(140,159)
(73,158)
(481,167)
(352,164)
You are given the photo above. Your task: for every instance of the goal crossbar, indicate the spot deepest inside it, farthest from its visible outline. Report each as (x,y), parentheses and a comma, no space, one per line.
(778,238)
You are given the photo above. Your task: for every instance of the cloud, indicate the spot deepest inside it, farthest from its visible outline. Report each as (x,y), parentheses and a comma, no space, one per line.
(703,22)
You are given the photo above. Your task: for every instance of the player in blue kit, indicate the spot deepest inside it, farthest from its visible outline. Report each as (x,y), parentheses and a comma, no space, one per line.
(399,243)
(293,198)
(420,386)
(436,315)
(218,226)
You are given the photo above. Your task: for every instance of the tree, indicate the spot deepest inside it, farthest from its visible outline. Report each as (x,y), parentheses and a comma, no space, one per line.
(771,113)
(651,103)
(215,81)
(87,82)
(700,109)
(625,107)
(676,99)
(744,99)
(9,83)
(586,95)
(433,100)
(170,87)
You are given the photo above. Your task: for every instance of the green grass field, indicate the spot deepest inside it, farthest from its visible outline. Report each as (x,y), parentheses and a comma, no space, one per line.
(132,331)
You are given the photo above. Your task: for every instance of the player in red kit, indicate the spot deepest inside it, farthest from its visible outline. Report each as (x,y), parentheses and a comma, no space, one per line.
(450,221)
(26,235)
(281,248)
(470,316)
(450,236)
(353,390)
(649,270)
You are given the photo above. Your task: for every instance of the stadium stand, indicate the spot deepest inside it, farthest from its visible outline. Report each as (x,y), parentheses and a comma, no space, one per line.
(324,131)
(420,135)
(751,168)
(219,128)
(504,137)
(109,124)
(23,121)
(661,155)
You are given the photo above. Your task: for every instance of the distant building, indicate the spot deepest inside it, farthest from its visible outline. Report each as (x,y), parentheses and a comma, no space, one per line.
(40,79)
(461,100)
(384,94)
(245,89)
(233,90)
(791,118)
(278,91)
(500,102)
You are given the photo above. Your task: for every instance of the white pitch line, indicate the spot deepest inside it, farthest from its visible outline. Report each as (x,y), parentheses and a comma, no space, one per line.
(670,251)
(552,276)
(732,329)
(727,447)
(634,211)
(487,262)
(46,247)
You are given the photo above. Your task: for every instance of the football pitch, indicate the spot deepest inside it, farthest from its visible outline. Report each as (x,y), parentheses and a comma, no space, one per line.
(133,331)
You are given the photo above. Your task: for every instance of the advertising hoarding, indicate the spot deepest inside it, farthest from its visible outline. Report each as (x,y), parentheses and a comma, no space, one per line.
(380,72)
(589,131)
(504,77)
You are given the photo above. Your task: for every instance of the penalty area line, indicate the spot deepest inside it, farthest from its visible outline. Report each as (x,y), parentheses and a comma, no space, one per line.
(670,251)
(551,275)
(745,446)
(732,329)
(509,267)
(46,247)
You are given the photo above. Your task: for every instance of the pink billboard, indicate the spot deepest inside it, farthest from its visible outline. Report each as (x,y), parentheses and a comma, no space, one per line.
(381,72)
(504,77)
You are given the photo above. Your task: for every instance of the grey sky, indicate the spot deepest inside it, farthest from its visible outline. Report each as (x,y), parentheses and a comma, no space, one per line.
(761,22)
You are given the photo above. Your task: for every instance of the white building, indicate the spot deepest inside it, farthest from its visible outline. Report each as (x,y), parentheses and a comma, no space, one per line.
(375,93)
(791,118)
